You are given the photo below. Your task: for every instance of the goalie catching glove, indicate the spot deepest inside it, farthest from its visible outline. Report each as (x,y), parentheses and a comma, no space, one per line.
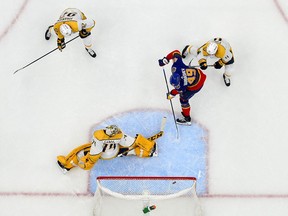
(142,146)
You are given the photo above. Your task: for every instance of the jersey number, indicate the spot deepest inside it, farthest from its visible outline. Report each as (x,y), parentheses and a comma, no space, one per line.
(191,75)
(109,146)
(68,15)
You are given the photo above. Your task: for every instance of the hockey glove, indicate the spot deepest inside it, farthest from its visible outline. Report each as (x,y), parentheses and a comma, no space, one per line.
(185,51)
(163,61)
(83,33)
(170,96)
(61,44)
(218,64)
(203,66)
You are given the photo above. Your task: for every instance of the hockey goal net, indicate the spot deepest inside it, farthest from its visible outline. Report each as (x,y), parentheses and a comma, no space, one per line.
(159,196)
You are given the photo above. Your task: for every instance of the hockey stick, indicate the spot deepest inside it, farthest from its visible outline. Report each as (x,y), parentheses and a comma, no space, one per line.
(160,134)
(195,66)
(44,55)
(189,65)
(171,104)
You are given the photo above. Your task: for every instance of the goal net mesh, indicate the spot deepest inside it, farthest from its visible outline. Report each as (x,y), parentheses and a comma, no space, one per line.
(131,196)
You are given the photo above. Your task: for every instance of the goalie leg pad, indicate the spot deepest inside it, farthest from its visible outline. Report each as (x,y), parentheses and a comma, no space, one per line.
(88,161)
(143,153)
(143,143)
(71,160)
(62,159)
(67,164)
(77,150)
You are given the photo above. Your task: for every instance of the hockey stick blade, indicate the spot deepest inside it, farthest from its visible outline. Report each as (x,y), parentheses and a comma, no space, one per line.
(18,70)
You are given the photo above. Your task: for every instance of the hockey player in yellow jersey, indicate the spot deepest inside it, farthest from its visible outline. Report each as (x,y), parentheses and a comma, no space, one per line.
(108,143)
(219,51)
(72,21)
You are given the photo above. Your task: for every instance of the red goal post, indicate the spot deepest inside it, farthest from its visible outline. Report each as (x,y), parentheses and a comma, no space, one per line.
(133,195)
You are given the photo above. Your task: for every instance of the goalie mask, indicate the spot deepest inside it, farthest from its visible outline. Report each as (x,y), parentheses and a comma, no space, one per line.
(112,130)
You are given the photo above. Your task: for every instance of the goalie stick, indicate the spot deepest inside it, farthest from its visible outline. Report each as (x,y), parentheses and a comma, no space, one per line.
(159,134)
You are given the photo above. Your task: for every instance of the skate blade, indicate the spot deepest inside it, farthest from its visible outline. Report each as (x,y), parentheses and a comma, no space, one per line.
(63,170)
(185,124)
(155,153)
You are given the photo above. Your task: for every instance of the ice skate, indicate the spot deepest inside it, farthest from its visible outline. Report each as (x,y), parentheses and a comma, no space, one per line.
(185,120)
(154,151)
(63,169)
(60,161)
(226,80)
(91,52)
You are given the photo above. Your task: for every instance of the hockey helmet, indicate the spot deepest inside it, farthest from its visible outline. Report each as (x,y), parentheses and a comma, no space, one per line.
(212,48)
(175,80)
(65,30)
(112,130)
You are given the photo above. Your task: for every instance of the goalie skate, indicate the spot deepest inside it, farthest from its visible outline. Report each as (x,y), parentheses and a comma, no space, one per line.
(154,151)
(62,168)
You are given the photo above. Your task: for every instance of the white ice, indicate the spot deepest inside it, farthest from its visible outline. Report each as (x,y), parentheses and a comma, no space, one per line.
(49,107)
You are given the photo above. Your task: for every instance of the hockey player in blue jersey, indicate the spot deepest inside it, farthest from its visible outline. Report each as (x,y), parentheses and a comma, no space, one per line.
(186,81)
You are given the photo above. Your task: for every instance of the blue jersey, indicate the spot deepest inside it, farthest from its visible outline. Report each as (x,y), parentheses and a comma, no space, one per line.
(191,79)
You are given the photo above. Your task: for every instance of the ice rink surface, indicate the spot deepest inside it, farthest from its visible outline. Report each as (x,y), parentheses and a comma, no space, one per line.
(51,106)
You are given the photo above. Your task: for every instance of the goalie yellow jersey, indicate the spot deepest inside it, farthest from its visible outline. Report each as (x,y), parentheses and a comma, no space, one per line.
(75,19)
(107,146)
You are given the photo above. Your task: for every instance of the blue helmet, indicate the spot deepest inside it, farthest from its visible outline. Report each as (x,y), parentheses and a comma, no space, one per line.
(175,80)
